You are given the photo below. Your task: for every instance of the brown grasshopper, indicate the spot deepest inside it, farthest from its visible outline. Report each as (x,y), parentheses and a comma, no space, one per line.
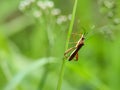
(76,48)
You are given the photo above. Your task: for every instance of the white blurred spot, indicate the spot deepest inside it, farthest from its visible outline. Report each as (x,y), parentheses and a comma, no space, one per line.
(41,5)
(49,4)
(61,19)
(55,11)
(69,16)
(109,4)
(45,4)
(116,21)
(24,4)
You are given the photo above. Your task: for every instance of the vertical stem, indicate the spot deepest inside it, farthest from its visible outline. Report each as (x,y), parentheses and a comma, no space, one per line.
(71,23)
(67,42)
(45,74)
(61,75)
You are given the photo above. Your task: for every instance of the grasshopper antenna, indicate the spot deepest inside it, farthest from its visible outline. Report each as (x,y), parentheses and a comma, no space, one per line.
(84,32)
(89,34)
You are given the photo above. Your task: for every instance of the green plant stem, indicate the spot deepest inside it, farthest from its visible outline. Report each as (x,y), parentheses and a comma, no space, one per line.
(67,42)
(46,72)
(71,24)
(61,75)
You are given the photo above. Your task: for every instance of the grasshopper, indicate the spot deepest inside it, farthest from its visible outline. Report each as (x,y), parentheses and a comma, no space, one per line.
(75,49)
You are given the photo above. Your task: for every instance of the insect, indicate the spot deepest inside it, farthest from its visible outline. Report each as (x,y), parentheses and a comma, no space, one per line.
(76,48)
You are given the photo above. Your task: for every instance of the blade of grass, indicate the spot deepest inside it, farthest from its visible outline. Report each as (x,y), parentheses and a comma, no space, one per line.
(22,74)
(59,84)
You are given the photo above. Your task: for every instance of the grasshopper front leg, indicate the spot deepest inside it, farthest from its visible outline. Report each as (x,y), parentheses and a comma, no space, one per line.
(67,51)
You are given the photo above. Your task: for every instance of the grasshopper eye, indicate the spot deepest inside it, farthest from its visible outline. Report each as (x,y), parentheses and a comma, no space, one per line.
(83,38)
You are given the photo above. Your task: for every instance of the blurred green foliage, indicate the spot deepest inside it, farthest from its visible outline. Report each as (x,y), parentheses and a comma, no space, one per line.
(32,45)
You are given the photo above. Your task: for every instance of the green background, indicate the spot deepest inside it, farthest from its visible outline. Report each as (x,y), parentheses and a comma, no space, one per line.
(31,50)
